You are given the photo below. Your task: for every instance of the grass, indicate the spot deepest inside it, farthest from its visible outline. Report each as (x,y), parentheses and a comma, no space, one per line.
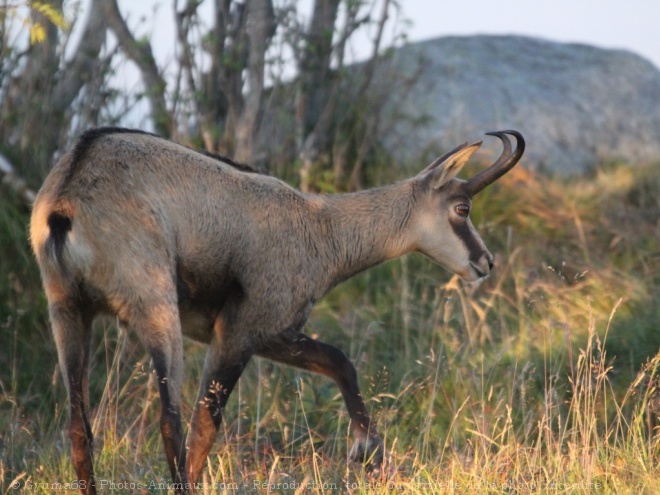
(543,379)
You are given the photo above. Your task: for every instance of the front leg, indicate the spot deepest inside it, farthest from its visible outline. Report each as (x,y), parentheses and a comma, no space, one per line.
(222,369)
(312,355)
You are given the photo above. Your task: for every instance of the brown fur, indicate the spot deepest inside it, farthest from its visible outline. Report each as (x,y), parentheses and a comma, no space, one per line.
(174,242)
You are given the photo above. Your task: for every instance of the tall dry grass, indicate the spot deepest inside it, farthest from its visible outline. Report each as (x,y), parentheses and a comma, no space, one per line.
(543,379)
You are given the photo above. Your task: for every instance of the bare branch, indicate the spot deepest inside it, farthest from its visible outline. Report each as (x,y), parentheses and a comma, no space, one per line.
(14,182)
(183,20)
(371,119)
(140,53)
(78,70)
(375,52)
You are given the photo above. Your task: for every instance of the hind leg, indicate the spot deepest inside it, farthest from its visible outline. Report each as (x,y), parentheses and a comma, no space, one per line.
(71,327)
(158,327)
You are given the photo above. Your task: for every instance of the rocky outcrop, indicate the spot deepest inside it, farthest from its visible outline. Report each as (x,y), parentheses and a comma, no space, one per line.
(577,105)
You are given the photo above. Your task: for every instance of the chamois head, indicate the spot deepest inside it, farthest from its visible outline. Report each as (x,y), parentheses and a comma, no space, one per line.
(443,227)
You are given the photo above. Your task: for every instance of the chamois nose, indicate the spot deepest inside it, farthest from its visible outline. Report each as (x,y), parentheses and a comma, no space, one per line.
(486,260)
(484,265)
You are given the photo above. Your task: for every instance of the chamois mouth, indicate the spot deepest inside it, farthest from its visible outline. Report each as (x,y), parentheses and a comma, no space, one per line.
(478,271)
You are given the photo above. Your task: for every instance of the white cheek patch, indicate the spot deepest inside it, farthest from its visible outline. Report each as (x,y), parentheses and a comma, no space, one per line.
(457,254)
(439,241)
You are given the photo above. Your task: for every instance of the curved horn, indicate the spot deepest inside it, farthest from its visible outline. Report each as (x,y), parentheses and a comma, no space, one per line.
(504,163)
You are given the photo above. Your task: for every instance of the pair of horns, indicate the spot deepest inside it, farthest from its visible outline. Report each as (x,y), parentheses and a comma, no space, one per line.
(504,163)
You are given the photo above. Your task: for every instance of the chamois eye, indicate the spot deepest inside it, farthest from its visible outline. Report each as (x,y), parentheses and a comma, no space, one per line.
(462,210)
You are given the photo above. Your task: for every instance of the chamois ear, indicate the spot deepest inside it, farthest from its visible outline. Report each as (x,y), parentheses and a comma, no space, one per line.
(447,166)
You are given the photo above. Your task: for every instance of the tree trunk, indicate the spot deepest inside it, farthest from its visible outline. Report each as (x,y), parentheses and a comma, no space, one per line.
(312,114)
(34,113)
(260,29)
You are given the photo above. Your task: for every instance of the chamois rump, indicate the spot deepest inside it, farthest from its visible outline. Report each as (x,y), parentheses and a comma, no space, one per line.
(175,242)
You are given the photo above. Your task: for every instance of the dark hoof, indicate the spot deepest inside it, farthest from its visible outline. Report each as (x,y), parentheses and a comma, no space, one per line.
(373,456)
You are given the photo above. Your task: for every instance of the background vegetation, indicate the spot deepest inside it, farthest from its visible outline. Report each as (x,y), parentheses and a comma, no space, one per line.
(542,379)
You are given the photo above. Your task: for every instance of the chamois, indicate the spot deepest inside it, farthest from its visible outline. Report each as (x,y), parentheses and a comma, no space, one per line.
(174,242)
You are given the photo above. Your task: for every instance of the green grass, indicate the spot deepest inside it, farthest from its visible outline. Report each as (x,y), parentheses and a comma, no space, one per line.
(542,379)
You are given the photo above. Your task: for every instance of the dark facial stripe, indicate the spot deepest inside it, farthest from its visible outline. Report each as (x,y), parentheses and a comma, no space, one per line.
(470,239)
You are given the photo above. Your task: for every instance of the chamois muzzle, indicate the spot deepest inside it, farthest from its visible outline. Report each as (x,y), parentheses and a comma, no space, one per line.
(504,163)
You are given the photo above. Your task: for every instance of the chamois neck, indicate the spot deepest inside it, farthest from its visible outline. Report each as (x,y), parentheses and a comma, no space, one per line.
(366,228)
